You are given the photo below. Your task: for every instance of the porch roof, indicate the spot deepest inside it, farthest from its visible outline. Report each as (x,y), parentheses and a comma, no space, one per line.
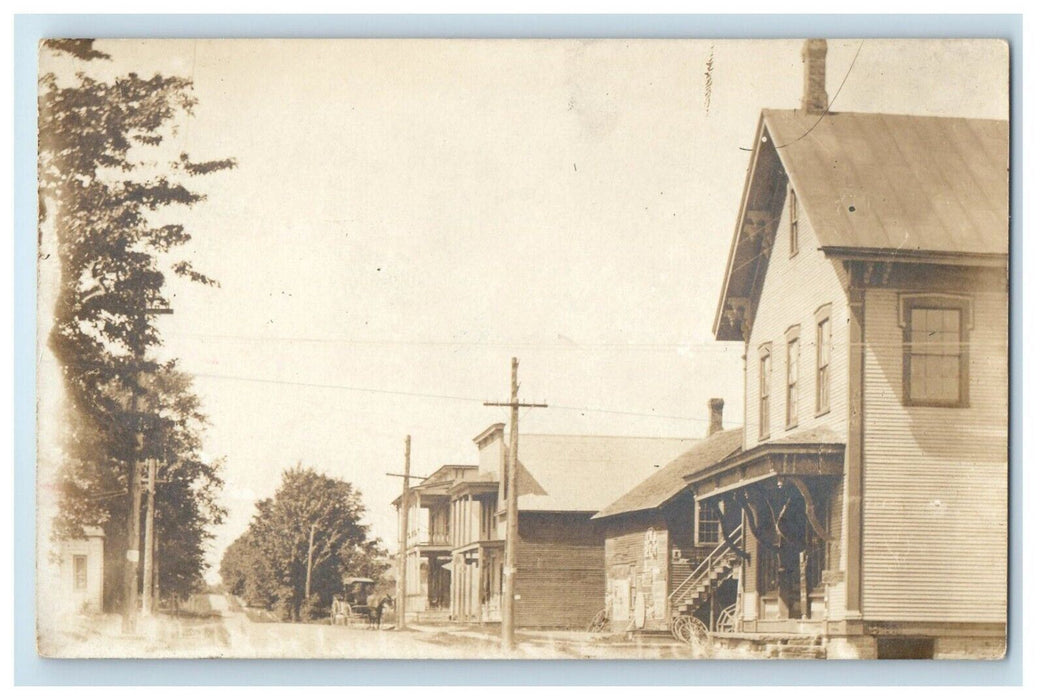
(668,482)
(481,483)
(815,452)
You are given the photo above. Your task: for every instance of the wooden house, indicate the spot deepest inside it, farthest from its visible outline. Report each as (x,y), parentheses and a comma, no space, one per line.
(82,571)
(428,542)
(655,539)
(868,283)
(563,480)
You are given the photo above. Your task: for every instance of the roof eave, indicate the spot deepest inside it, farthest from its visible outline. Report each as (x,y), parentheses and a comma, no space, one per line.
(755,151)
(629,511)
(936,257)
(737,459)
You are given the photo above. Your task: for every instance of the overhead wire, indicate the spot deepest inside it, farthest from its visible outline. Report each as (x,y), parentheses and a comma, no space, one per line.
(446,397)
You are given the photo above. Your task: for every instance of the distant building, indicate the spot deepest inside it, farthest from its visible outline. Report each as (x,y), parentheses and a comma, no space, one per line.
(868,283)
(428,542)
(655,539)
(563,480)
(81,571)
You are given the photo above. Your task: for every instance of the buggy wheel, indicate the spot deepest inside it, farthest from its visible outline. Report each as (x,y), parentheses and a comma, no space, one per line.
(689,629)
(599,621)
(727,620)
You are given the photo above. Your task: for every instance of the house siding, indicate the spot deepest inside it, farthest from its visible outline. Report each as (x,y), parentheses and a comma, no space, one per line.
(795,287)
(835,590)
(628,568)
(89,598)
(935,479)
(561,570)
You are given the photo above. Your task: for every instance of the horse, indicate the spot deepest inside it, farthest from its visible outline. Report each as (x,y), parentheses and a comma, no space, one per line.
(375,610)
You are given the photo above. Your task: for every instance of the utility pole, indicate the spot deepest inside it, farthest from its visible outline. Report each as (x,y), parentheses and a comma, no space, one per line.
(308,574)
(404,525)
(507,606)
(130,571)
(150,535)
(404,519)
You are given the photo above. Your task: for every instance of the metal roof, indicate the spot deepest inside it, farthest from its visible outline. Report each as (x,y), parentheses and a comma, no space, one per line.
(895,181)
(585,472)
(668,481)
(900,187)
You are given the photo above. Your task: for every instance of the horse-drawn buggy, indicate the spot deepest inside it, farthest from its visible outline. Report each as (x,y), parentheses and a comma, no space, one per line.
(359,603)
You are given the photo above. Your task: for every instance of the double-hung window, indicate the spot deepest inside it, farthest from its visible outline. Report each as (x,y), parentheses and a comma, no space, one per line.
(707,531)
(793,355)
(792,198)
(823,340)
(80,572)
(764,383)
(935,350)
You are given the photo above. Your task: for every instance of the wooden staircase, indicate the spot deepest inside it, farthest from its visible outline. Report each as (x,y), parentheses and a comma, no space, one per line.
(695,590)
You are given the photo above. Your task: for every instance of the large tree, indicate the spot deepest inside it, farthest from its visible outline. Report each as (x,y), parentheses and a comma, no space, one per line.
(268,564)
(108,182)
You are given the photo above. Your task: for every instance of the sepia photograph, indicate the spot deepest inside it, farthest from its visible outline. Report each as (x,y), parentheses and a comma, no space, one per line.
(523,348)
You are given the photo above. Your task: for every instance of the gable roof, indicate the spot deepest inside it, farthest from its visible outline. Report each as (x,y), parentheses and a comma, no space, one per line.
(901,186)
(440,480)
(667,482)
(911,183)
(585,472)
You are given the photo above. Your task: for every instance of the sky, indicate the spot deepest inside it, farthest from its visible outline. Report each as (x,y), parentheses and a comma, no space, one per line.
(406,216)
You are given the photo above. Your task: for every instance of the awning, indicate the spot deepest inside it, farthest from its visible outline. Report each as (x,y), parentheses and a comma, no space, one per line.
(801,455)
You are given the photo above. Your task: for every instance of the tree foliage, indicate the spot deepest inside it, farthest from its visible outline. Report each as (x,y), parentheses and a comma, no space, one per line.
(268,564)
(107,182)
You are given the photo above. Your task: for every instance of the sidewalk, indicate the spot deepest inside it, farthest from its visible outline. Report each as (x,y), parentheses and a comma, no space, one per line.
(551,643)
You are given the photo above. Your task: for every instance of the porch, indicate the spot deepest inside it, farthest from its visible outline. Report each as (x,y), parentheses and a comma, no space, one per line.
(784,554)
(476,581)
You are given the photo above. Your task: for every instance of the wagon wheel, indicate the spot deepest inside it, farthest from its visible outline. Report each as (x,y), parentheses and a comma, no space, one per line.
(727,619)
(689,629)
(675,627)
(599,621)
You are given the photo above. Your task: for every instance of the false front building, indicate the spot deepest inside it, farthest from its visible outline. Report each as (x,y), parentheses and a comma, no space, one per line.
(868,283)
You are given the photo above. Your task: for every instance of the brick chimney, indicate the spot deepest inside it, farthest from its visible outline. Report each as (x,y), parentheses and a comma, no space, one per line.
(813,55)
(716,406)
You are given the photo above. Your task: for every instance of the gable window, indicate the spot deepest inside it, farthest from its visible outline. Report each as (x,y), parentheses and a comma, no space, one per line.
(935,350)
(793,350)
(707,531)
(793,205)
(823,340)
(80,572)
(764,379)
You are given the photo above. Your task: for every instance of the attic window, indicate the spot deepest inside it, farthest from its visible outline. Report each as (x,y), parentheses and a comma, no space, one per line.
(793,205)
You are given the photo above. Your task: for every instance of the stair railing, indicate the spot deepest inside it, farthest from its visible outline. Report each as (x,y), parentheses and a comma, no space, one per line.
(705,566)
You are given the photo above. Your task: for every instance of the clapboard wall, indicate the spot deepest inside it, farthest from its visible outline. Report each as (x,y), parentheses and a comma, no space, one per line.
(561,570)
(935,478)
(795,288)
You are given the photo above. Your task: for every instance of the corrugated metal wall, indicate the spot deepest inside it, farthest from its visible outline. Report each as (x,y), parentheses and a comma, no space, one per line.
(935,482)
